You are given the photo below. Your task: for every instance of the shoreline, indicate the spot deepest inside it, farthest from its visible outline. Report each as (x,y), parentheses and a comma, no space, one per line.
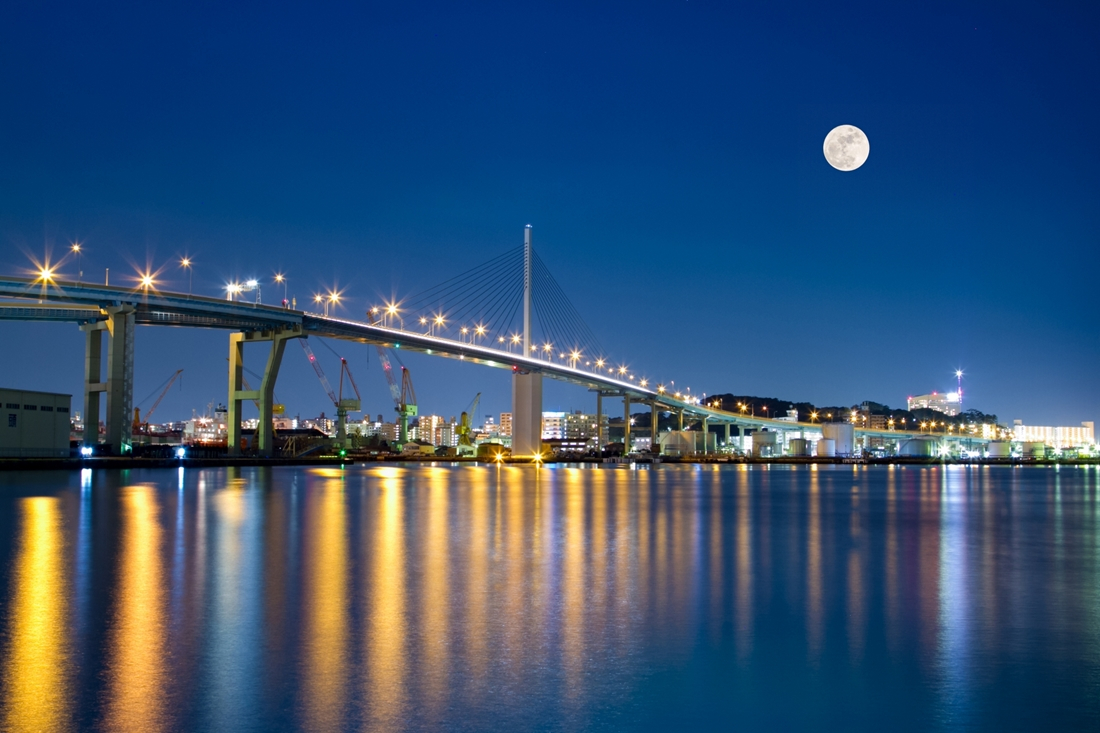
(126,463)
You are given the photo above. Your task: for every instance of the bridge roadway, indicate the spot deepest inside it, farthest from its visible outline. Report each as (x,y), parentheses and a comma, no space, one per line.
(89,304)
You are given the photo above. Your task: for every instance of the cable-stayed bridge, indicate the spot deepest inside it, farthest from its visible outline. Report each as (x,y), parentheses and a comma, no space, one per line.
(507,313)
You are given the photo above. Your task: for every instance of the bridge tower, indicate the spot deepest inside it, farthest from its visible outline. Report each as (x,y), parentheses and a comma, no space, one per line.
(526,386)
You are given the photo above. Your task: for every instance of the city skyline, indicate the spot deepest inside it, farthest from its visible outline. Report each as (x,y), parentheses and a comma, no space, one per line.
(669,159)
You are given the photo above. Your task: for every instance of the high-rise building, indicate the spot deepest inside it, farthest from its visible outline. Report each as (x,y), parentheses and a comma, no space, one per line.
(553,425)
(948,402)
(506,423)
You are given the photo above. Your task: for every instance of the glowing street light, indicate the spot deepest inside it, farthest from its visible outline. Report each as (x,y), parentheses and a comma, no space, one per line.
(281,279)
(479,331)
(147,282)
(79,252)
(45,274)
(185,263)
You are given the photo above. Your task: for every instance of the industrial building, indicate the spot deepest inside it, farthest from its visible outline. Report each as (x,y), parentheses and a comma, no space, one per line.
(35,424)
(1056,437)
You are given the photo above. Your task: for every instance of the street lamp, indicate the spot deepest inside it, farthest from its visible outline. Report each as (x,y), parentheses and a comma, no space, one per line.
(281,278)
(75,247)
(185,263)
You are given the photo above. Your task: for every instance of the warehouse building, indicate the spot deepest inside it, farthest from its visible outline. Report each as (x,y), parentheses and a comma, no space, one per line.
(34,424)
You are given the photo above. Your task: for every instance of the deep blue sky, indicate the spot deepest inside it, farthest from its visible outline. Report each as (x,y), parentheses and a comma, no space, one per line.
(667,153)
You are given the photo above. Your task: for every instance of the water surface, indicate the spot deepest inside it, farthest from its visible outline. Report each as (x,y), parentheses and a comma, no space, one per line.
(384,597)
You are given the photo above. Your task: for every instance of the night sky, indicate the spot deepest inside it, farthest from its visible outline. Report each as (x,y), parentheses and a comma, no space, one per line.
(668,155)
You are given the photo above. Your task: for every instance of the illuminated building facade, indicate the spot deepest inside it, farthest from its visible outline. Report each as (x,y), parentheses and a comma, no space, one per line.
(947,402)
(1057,437)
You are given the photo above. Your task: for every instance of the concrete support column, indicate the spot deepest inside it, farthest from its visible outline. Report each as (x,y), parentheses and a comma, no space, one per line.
(706,431)
(119,382)
(681,421)
(599,423)
(120,379)
(93,387)
(654,429)
(727,441)
(526,414)
(626,424)
(265,396)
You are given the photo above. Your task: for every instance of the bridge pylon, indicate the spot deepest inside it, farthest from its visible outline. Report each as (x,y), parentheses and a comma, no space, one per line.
(119,384)
(527,386)
(265,395)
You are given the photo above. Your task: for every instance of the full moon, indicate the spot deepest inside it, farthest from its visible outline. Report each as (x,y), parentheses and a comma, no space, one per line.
(846,147)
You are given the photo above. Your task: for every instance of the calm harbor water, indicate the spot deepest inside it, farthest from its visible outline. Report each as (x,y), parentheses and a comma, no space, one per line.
(384,597)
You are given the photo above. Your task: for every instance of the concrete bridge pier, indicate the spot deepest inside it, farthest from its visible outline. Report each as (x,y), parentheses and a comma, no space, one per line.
(599,423)
(626,423)
(706,433)
(727,443)
(526,414)
(119,385)
(265,395)
(654,440)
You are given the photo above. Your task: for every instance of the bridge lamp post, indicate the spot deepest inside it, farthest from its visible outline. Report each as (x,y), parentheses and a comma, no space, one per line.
(391,312)
(319,300)
(147,282)
(75,247)
(424,322)
(516,341)
(813,417)
(372,314)
(547,350)
(439,321)
(660,389)
(574,357)
(333,300)
(231,290)
(464,333)
(185,263)
(479,331)
(281,279)
(45,274)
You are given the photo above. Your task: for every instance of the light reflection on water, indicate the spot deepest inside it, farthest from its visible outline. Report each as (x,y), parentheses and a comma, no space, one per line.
(508,598)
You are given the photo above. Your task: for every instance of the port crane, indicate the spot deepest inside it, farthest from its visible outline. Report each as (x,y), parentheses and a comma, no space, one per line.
(404,397)
(142,426)
(465,445)
(343,405)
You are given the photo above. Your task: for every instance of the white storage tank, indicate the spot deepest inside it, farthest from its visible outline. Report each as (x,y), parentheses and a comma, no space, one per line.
(826,448)
(764,444)
(1034,449)
(842,434)
(799,447)
(999,449)
(918,447)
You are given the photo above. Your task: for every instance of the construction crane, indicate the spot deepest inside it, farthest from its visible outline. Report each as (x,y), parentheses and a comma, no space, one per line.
(142,426)
(404,397)
(342,405)
(465,445)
